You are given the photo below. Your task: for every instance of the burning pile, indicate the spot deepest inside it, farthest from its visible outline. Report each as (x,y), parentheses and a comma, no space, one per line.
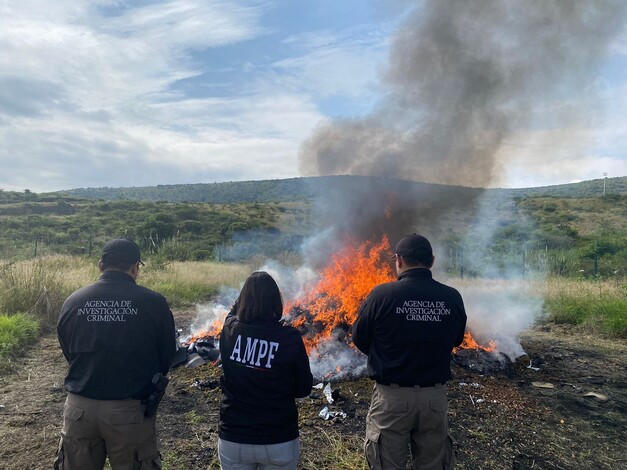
(452,106)
(325,312)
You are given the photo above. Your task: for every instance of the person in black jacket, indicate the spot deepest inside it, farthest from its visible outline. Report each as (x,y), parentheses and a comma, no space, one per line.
(265,369)
(408,329)
(116,336)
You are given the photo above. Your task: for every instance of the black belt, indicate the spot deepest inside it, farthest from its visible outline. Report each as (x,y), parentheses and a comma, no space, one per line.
(406,385)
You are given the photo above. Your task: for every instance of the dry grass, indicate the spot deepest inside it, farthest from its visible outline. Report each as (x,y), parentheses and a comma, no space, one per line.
(340,452)
(209,272)
(486,286)
(191,281)
(547,288)
(598,306)
(593,306)
(582,288)
(41,285)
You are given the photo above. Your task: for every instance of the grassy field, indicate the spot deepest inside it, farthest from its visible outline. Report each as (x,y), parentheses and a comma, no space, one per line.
(32,292)
(595,306)
(16,332)
(39,287)
(570,232)
(192,281)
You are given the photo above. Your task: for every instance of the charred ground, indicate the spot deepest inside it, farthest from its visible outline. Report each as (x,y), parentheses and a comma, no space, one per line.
(499,420)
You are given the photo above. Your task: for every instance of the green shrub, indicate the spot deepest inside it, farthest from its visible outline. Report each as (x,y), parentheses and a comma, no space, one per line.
(599,306)
(38,287)
(16,332)
(201,255)
(614,315)
(566,310)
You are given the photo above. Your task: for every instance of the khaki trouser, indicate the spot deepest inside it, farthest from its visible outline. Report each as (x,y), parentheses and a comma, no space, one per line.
(95,429)
(401,419)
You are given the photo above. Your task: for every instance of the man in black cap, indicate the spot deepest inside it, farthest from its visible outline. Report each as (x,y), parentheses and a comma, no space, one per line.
(116,336)
(408,329)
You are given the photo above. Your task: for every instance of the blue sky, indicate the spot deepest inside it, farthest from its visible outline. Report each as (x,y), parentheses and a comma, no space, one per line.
(134,93)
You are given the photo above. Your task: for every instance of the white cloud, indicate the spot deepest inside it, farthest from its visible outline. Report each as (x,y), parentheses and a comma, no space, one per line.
(102,61)
(88,100)
(93,93)
(187,23)
(559,156)
(183,142)
(346,65)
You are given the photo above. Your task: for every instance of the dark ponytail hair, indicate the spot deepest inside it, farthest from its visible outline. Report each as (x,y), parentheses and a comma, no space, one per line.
(260,299)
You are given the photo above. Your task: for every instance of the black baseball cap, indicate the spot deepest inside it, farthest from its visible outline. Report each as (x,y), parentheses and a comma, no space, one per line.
(413,245)
(121,250)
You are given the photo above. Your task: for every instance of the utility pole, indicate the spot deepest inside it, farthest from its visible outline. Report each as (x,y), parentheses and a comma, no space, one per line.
(596,249)
(524,259)
(604,180)
(461,262)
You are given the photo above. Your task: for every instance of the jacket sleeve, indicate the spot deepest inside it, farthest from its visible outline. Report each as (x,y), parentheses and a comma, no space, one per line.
(168,340)
(462,328)
(62,341)
(233,311)
(62,333)
(361,331)
(303,380)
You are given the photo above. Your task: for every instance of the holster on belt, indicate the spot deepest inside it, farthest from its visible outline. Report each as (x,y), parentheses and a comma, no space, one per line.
(158,384)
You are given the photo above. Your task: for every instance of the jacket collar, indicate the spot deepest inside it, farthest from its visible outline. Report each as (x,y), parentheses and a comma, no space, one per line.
(419,273)
(116,276)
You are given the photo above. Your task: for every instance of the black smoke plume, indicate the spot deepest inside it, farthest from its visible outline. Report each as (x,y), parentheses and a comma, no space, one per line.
(463,75)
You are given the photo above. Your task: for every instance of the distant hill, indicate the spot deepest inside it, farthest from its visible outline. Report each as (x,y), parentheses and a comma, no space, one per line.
(563,229)
(590,188)
(300,189)
(216,193)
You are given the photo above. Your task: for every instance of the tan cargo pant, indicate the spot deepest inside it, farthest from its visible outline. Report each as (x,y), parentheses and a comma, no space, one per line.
(403,419)
(95,429)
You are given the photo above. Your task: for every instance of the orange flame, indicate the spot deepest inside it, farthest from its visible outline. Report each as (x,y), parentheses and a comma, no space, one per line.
(334,300)
(212,331)
(470,343)
(343,285)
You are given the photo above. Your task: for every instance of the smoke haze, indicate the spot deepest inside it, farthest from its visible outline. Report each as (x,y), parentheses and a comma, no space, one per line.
(463,79)
(462,76)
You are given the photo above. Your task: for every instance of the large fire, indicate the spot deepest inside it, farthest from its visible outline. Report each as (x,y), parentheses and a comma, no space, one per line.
(333,302)
(330,306)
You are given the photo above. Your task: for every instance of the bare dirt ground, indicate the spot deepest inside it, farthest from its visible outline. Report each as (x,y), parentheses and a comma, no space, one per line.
(498,420)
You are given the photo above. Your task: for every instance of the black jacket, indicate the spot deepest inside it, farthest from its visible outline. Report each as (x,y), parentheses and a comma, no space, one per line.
(115,336)
(265,368)
(408,329)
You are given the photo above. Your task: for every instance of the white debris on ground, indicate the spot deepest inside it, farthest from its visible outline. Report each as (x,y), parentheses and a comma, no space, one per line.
(327,415)
(530,366)
(328,393)
(474,384)
(596,395)
(542,384)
